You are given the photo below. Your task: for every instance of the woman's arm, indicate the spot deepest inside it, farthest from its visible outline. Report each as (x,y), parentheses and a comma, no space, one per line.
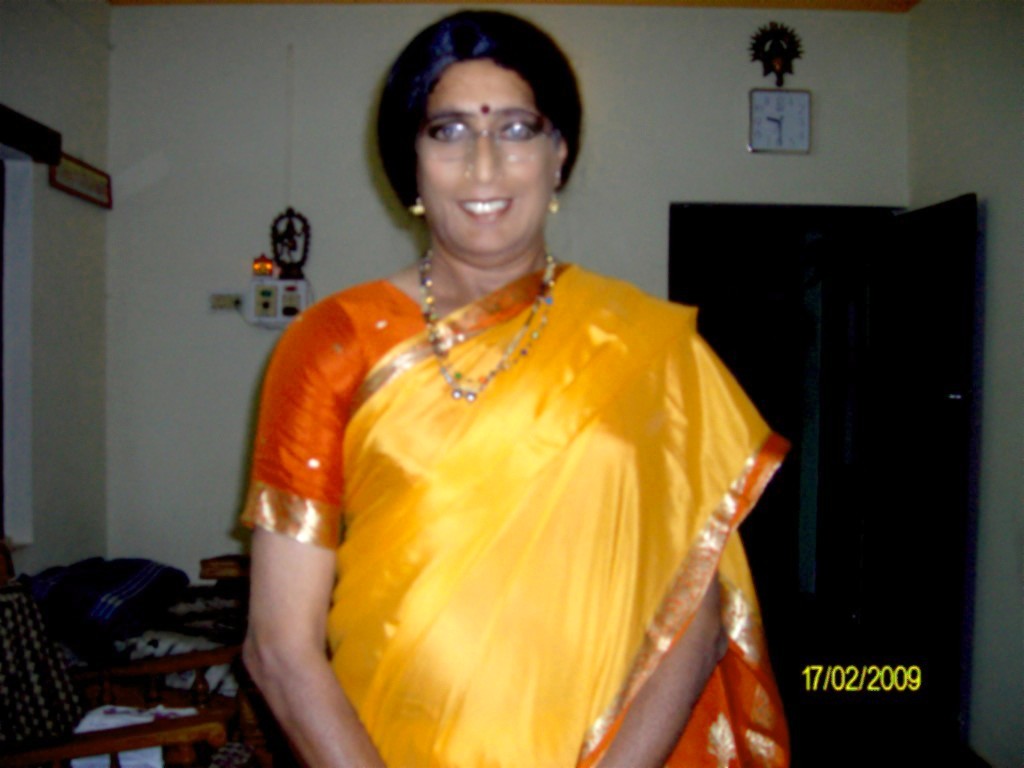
(284,652)
(661,709)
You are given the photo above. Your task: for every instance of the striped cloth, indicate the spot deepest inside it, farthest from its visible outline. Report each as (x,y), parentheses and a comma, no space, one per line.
(93,603)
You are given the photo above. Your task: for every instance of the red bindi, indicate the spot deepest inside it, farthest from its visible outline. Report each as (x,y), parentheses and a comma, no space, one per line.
(485,109)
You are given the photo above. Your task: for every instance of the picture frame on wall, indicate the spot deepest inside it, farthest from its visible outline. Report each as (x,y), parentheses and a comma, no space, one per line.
(78,178)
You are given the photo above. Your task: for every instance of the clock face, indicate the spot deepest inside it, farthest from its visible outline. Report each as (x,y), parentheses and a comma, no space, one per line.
(780,121)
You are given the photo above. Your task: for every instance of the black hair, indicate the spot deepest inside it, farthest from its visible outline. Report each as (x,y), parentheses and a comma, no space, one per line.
(509,42)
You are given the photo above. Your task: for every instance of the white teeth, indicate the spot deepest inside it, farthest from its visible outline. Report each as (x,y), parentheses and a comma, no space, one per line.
(480,207)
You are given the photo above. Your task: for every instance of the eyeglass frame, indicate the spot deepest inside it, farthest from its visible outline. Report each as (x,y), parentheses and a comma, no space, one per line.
(543,128)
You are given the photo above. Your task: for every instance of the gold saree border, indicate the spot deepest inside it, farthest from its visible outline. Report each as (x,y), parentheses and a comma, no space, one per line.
(305,520)
(742,624)
(456,328)
(687,589)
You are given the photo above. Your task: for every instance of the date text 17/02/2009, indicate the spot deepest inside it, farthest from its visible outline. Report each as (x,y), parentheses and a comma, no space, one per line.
(869,678)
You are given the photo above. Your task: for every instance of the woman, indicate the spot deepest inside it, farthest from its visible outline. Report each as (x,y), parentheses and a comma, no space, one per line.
(539,472)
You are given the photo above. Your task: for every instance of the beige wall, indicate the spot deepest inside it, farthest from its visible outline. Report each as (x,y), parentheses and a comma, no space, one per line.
(53,68)
(967,134)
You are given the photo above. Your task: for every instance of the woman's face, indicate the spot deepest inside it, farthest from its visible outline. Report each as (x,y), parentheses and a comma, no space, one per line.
(487,166)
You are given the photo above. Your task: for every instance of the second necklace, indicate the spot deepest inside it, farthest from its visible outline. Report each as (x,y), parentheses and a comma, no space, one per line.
(463,387)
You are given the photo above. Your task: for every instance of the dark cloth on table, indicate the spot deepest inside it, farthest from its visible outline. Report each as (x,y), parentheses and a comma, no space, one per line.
(92,603)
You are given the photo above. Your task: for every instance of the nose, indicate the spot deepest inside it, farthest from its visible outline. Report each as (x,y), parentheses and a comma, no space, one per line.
(484,161)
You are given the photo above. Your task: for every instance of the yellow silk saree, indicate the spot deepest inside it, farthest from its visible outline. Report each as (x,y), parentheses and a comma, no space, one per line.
(513,570)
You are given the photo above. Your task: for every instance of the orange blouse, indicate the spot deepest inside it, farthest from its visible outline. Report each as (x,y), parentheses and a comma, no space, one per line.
(317,368)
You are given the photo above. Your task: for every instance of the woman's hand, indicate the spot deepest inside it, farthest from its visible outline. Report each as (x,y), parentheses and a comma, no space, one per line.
(285,653)
(660,711)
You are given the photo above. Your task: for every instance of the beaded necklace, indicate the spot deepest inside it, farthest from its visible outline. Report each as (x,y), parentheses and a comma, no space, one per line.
(463,387)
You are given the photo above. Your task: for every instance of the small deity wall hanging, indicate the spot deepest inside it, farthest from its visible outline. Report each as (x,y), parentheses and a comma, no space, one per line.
(289,239)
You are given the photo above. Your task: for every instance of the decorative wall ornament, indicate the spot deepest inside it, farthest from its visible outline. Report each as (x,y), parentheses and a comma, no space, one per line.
(775,46)
(289,238)
(78,178)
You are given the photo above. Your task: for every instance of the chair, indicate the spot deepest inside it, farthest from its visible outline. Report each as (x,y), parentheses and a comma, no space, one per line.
(40,704)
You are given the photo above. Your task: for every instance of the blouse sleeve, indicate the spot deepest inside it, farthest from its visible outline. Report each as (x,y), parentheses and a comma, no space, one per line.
(297,473)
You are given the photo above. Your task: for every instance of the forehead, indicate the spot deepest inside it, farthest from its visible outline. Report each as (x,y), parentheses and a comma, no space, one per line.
(469,85)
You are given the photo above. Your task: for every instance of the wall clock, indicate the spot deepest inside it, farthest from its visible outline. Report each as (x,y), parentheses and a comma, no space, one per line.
(780,120)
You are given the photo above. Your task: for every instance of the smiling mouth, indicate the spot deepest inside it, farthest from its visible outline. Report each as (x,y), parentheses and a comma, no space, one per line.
(484,207)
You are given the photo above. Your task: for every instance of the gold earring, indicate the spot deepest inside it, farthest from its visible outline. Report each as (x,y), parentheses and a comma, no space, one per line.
(417,209)
(553,204)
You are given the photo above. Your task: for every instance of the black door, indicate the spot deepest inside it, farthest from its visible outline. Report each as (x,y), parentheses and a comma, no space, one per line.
(853,329)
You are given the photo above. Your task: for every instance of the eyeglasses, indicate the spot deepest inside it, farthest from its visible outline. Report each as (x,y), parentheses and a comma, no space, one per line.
(516,134)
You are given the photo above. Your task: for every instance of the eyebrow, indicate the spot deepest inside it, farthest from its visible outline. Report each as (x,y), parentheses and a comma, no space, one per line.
(464,114)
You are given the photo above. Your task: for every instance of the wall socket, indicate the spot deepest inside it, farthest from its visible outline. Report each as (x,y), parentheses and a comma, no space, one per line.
(220,302)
